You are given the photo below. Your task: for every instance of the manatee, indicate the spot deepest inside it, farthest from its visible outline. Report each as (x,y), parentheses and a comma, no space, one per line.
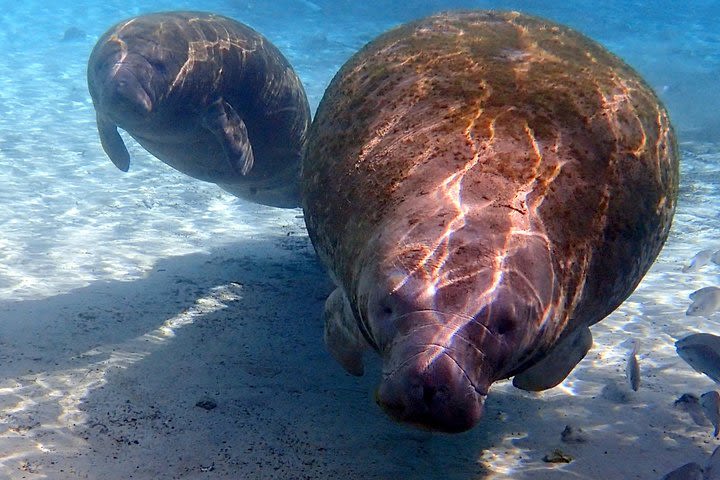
(482,187)
(208,96)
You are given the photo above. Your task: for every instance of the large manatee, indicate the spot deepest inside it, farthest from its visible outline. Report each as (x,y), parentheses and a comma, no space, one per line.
(207,95)
(482,187)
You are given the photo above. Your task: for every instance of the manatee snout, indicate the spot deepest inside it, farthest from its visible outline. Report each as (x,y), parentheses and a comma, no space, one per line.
(432,391)
(120,84)
(124,94)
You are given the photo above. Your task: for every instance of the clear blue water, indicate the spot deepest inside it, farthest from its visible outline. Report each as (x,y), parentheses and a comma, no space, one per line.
(126,298)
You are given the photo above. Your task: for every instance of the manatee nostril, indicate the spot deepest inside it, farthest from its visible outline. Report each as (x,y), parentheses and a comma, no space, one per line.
(384,308)
(429,394)
(432,393)
(505,325)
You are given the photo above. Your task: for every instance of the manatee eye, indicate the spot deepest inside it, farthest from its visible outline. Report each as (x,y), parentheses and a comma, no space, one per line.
(159,67)
(383,308)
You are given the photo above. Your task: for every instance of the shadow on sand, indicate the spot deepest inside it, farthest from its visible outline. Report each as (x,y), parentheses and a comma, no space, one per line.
(106,380)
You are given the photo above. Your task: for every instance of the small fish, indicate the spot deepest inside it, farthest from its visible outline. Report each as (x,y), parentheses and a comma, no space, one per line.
(632,369)
(712,467)
(700,259)
(702,292)
(710,402)
(706,301)
(715,258)
(690,404)
(702,352)
(689,471)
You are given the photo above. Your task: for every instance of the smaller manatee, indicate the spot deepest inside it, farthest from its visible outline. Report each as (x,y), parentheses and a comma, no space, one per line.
(702,352)
(700,259)
(706,302)
(206,95)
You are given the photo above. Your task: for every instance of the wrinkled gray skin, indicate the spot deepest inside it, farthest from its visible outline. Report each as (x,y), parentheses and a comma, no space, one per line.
(208,96)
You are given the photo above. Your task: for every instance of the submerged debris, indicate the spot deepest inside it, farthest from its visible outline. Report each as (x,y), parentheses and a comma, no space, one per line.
(206,403)
(557,456)
(573,435)
(73,33)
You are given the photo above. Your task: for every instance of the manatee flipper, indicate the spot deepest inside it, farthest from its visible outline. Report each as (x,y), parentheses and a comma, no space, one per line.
(113,144)
(557,364)
(225,123)
(342,336)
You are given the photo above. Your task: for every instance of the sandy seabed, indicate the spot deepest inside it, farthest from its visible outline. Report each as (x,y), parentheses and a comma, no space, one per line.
(104,380)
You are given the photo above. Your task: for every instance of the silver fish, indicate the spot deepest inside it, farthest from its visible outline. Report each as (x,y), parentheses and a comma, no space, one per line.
(706,301)
(690,404)
(632,369)
(689,471)
(700,259)
(702,352)
(710,402)
(715,258)
(702,292)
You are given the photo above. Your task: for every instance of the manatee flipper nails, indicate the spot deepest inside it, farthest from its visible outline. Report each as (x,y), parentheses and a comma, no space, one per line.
(113,144)
(342,336)
(230,130)
(557,364)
